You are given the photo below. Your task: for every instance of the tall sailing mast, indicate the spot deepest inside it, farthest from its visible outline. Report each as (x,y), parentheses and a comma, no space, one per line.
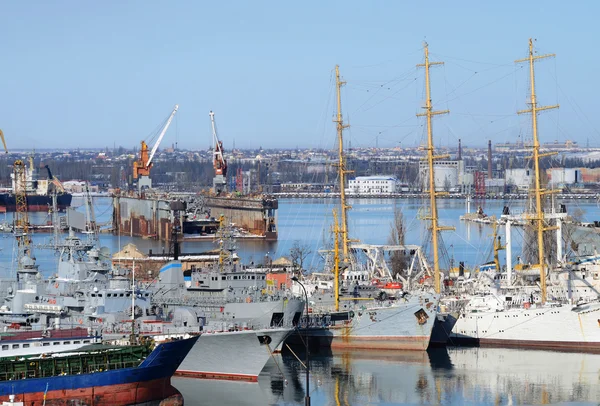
(539,192)
(342,165)
(431,157)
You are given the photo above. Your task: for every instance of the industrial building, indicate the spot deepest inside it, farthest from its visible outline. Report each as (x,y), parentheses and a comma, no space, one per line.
(519,178)
(448,175)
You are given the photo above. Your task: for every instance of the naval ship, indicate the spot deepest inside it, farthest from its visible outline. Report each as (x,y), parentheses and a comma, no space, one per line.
(231,302)
(85,292)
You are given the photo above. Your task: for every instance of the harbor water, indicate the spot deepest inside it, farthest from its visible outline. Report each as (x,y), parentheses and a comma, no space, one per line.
(455,376)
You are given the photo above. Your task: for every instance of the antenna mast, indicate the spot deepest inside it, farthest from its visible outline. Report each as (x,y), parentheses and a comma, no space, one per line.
(433,216)
(539,192)
(342,164)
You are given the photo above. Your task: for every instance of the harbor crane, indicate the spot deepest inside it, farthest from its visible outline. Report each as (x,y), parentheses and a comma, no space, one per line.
(21,219)
(3,141)
(219,162)
(141,167)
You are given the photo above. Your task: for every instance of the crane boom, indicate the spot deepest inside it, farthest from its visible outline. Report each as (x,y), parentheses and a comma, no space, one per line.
(219,162)
(162,134)
(3,141)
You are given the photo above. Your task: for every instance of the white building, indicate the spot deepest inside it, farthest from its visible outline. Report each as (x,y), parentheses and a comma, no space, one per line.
(519,177)
(373,185)
(563,176)
(448,175)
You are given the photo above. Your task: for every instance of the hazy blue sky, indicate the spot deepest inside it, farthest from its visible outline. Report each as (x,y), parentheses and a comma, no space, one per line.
(92,74)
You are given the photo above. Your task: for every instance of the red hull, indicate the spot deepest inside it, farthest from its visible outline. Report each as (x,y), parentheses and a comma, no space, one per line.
(32,207)
(576,346)
(213,375)
(155,392)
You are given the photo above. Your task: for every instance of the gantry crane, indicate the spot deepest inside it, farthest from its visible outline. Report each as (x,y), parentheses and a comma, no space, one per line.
(141,167)
(21,218)
(219,162)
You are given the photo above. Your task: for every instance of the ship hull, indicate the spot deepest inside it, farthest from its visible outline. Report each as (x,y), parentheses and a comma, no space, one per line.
(149,383)
(442,328)
(403,325)
(552,327)
(238,355)
(35,202)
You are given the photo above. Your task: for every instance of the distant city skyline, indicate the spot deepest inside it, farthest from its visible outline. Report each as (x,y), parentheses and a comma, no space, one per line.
(95,75)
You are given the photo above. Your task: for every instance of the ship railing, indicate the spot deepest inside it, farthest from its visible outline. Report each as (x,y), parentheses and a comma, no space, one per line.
(74,369)
(314,321)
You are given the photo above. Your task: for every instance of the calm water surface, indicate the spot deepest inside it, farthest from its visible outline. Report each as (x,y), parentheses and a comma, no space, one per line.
(309,222)
(457,376)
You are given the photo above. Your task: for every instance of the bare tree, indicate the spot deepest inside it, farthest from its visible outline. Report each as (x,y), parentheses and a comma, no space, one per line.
(399,260)
(298,254)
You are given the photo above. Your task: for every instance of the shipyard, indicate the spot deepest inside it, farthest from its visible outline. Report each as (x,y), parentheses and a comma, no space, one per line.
(299,204)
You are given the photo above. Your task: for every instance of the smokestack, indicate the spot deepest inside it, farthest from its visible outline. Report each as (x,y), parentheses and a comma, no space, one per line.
(459,150)
(490,159)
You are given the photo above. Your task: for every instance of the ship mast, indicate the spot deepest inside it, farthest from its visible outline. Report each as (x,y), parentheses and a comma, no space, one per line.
(431,157)
(497,246)
(336,260)
(538,191)
(342,165)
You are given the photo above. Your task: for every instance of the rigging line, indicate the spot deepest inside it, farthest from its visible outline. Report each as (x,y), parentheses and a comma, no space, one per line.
(436,54)
(397,79)
(454,88)
(389,97)
(574,104)
(480,87)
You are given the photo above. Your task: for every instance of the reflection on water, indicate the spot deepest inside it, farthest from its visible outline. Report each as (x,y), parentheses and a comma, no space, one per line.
(457,376)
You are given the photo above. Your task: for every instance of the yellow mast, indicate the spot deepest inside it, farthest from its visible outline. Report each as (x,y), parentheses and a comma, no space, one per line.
(433,217)
(497,246)
(342,164)
(539,192)
(336,260)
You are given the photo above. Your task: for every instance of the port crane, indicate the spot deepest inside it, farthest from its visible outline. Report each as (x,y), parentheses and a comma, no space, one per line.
(21,219)
(141,167)
(54,180)
(3,141)
(219,162)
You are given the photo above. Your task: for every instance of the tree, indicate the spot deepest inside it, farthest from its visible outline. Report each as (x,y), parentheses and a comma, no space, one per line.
(298,254)
(399,260)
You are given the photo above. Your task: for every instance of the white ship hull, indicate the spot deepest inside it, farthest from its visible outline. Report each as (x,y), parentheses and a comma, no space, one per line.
(236,355)
(552,327)
(404,324)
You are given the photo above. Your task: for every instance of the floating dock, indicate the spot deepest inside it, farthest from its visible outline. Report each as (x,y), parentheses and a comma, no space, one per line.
(153,216)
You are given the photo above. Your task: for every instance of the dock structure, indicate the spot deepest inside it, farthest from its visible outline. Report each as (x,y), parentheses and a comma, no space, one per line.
(141,217)
(153,217)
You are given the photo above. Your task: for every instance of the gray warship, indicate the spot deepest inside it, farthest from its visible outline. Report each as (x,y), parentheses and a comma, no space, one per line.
(86,292)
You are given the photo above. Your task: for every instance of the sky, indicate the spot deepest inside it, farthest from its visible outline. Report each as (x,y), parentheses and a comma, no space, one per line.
(102,74)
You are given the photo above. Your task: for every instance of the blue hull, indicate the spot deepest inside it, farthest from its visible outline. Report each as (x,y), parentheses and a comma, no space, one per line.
(157,369)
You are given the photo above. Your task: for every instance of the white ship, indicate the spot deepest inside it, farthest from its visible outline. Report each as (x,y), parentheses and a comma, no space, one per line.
(525,306)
